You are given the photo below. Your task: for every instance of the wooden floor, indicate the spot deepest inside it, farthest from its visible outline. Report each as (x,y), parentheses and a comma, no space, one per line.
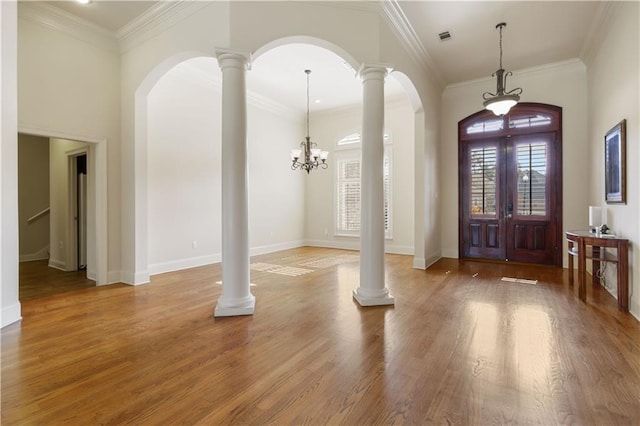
(460,346)
(37,280)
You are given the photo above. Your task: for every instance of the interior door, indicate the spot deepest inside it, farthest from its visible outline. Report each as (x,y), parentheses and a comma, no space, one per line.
(510,186)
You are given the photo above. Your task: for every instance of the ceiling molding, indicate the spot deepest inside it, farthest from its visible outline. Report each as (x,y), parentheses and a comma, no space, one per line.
(155,20)
(67,23)
(192,74)
(367,6)
(574,62)
(598,29)
(399,23)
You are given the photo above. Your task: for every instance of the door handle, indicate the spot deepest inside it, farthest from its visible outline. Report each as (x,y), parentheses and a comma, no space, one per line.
(509,210)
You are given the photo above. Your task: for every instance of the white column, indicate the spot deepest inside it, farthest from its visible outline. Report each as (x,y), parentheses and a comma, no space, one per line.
(372,290)
(236,299)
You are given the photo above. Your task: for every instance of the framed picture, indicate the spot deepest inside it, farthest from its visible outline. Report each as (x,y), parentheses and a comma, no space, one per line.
(615,164)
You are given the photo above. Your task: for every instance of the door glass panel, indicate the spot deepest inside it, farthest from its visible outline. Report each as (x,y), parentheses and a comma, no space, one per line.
(532,179)
(529,121)
(483,181)
(491,125)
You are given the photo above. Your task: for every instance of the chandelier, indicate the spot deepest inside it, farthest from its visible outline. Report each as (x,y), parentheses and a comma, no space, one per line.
(310,156)
(501,101)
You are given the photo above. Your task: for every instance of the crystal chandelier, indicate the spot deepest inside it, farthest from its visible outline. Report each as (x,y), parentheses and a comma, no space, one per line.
(311,157)
(501,101)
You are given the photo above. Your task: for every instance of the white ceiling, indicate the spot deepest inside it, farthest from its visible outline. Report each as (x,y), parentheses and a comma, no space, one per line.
(537,33)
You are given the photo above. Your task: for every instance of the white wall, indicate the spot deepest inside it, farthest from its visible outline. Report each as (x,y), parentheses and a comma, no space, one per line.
(33,196)
(9,302)
(562,84)
(184,173)
(614,90)
(69,88)
(327,129)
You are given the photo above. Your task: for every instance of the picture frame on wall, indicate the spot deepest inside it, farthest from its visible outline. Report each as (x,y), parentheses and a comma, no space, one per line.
(615,164)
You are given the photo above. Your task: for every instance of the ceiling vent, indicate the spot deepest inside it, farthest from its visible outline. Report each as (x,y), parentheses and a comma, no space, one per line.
(444,36)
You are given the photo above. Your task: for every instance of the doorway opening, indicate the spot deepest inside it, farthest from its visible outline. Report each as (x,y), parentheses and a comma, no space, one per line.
(510,185)
(59,174)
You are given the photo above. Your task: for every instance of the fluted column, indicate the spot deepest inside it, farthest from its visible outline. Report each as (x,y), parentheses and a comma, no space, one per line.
(236,298)
(372,290)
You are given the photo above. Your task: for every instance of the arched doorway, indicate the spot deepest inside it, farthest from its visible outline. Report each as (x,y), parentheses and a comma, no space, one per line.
(510,178)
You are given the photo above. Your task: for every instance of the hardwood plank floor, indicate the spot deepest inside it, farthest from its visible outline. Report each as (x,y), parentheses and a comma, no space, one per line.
(37,279)
(460,346)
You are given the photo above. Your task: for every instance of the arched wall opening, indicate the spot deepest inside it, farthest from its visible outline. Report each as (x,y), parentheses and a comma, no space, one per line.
(141,247)
(198,247)
(421,184)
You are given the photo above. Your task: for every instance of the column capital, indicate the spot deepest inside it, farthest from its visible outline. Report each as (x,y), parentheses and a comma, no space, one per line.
(370,71)
(233,58)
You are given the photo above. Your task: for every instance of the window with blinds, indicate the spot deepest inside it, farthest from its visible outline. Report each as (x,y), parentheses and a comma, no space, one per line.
(348,163)
(532,179)
(483,181)
(348,202)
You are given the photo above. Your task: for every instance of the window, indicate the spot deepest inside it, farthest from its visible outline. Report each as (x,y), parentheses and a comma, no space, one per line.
(348,161)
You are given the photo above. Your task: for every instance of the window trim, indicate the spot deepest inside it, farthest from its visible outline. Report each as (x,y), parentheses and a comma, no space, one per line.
(351,151)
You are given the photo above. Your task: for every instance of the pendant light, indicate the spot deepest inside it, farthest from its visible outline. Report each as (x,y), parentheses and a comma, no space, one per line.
(501,101)
(312,157)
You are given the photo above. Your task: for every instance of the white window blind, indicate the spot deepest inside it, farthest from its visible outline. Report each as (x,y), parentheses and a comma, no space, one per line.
(348,188)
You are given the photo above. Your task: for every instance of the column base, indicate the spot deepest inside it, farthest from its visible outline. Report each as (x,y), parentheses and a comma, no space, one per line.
(379,300)
(233,311)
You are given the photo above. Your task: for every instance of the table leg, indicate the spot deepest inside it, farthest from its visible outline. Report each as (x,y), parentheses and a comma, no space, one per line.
(570,262)
(595,265)
(623,277)
(582,270)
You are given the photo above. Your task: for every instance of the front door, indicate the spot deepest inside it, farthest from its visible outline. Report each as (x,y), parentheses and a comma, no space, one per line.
(510,188)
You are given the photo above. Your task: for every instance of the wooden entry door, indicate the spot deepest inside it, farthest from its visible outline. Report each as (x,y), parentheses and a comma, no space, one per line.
(510,187)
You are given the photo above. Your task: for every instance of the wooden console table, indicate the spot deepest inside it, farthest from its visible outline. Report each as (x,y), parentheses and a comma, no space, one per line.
(586,245)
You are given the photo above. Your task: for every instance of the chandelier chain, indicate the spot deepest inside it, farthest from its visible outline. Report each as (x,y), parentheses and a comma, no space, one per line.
(308,72)
(501,26)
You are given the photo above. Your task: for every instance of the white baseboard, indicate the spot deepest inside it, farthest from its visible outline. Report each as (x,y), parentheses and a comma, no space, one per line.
(355,245)
(452,253)
(41,254)
(634,308)
(393,249)
(342,245)
(177,265)
(255,251)
(11,314)
(57,264)
(134,278)
(194,262)
(114,277)
(419,263)
(433,259)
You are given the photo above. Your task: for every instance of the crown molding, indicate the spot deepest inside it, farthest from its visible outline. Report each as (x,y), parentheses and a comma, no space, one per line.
(553,66)
(599,27)
(401,26)
(67,23)
(194,75)
(155,20)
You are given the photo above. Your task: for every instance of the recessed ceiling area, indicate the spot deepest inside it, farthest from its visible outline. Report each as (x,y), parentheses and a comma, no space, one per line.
(110,15)
(537,33)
